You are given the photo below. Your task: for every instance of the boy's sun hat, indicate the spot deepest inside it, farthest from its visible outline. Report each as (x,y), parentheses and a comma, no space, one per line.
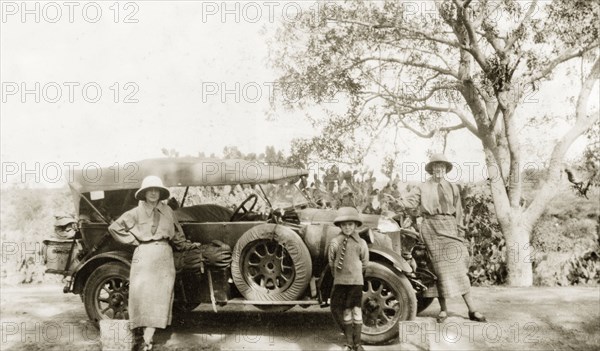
(347,214)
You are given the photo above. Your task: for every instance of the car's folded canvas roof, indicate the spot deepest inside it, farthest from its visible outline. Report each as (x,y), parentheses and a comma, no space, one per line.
(181,171)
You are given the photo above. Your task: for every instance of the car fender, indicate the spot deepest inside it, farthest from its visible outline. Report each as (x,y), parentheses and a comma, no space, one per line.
(84,271)
(385,255)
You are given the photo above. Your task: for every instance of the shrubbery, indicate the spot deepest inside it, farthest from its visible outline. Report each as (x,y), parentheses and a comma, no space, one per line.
(566,250)
(565,241)
(27,219)
(486,243)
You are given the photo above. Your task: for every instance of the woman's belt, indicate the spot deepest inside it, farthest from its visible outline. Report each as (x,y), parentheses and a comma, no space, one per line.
(156,242)
(437,215)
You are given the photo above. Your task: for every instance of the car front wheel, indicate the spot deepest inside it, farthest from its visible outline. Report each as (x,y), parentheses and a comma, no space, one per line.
(388,299)
(106,293)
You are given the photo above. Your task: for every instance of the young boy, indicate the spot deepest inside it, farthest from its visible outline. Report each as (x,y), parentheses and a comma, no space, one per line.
(348,257)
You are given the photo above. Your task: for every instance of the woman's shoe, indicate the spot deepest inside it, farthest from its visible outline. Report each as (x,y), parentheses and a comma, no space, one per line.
(147,346)
(442,317)
(473,317)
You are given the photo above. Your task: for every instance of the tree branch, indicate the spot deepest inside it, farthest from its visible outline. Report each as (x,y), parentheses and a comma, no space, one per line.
(408,63)
(419,35)
(431,133)
(563,57)
(473,48)
(513,38)
(583,122)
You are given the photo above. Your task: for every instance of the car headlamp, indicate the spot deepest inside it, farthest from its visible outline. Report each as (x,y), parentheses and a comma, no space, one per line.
(387,225)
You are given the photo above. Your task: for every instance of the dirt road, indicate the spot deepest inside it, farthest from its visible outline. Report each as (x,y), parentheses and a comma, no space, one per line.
(41,317)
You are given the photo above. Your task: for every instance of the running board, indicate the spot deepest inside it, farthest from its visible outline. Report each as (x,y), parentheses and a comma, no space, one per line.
(240,301)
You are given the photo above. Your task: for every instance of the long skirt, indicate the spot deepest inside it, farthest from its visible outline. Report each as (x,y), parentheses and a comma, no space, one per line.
(448,253)
(151,283)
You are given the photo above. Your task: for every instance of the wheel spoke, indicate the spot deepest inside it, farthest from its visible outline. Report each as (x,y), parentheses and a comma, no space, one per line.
(279,252)
(268,265)
(370,286)
(264,248)
(385,316)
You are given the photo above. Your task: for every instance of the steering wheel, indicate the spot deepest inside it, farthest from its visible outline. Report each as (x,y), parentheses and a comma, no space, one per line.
(241,210)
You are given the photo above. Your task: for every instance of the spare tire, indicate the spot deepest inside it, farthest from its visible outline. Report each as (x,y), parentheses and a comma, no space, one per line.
(271,263)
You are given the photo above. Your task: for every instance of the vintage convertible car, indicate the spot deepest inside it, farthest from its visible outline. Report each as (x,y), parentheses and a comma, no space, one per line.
(278,257)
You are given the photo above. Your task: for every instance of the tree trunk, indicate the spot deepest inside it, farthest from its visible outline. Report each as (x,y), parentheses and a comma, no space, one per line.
(515,228)
(519,253)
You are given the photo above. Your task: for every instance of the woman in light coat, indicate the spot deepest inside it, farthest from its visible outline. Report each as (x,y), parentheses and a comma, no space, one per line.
(151,228)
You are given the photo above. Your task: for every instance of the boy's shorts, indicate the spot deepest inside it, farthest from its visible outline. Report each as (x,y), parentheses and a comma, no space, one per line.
(346,296)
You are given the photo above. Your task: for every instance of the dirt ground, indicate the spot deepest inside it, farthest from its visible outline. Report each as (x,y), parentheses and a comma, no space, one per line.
(41,317)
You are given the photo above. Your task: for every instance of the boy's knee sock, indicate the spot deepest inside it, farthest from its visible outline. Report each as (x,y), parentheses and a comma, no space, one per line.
(357,330)
(348,333)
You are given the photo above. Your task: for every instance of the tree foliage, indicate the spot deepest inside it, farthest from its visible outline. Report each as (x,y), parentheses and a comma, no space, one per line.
(436,67)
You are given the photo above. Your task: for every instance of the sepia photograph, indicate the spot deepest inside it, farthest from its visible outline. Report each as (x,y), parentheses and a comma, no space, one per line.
(300,175)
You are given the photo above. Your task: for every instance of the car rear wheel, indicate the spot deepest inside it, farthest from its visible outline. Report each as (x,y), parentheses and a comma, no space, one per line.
(106,293)
(271,263)
(388,299)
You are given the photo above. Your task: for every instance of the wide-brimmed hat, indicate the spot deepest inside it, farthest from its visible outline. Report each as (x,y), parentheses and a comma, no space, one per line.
(347,214)
(438,158)
(152,182)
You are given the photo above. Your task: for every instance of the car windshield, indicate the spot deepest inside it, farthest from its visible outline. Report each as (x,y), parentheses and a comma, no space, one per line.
(285,196)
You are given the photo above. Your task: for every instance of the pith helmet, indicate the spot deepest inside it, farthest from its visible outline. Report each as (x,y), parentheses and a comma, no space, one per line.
(346,214)
(152,182)
(435,158)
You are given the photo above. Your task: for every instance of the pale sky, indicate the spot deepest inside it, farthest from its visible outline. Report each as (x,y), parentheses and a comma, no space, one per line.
(176,51)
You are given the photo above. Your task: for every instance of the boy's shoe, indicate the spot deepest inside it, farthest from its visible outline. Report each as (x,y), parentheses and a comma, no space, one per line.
(359,347)
(347,348)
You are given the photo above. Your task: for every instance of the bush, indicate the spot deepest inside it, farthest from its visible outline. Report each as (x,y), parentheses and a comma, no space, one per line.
(27,218)
(566,243)
(486,243)
(584,269)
